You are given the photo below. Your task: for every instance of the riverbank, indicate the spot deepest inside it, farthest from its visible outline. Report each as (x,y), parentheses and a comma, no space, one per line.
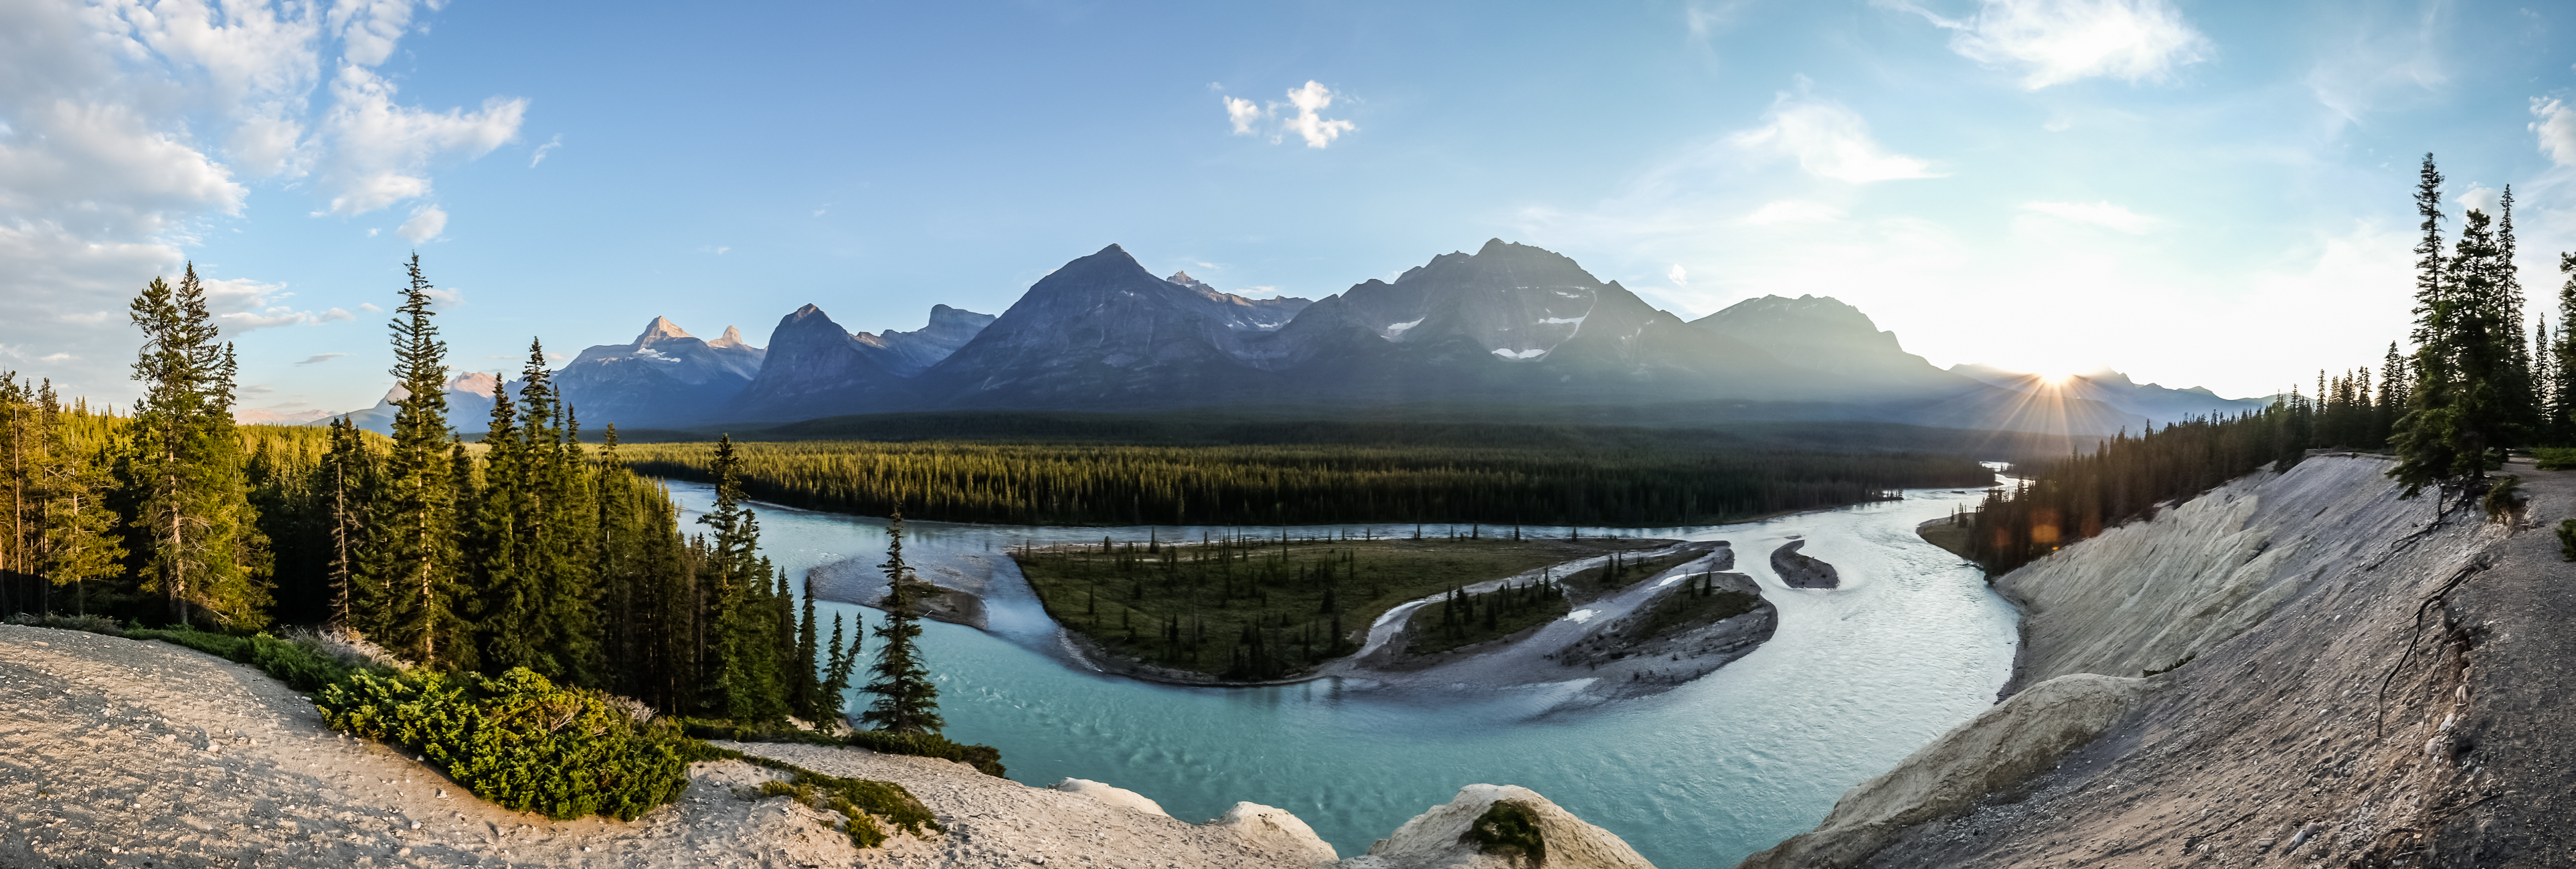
(2297,668)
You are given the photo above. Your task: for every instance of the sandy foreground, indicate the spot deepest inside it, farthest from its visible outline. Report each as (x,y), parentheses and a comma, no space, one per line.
(118,752)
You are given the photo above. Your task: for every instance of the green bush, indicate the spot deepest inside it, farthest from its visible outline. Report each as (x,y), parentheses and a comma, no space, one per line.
(860,801)
(95,624)
(1508,829)
(518,741)
(984,758)
(2556,458)
(2567,539)
(301,666)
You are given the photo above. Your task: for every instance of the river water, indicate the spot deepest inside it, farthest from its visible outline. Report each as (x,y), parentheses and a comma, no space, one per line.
(1701,776)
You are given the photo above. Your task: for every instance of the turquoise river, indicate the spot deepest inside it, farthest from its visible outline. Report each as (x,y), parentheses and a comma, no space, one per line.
(1701,776)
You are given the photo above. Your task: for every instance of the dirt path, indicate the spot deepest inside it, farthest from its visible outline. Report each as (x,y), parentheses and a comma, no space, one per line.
(117,752)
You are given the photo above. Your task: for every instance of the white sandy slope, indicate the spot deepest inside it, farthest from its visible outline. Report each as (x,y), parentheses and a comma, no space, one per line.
(126,753)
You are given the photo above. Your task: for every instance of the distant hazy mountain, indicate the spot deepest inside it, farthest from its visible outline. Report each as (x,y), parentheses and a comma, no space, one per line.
(2160,405)
(244,416)
(665,376)
(469,406)
(814,364)
(1509,331)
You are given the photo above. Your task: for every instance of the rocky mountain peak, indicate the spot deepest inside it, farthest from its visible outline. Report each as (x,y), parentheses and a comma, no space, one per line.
(732,338)
(660,329)
(1184,279)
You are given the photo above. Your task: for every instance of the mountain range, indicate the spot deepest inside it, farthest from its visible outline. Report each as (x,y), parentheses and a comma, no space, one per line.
(1505,331)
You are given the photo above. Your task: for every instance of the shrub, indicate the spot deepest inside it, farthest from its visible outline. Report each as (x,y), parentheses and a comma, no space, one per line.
(1508,829)
(984,758)
(302,666)
(2567,539)
(95,624)
(2504,496)
(2556,458)
(518,741)
(860,801)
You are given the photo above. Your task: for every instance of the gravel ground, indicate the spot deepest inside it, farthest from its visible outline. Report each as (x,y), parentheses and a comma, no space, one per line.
(116,752)
(2281,747)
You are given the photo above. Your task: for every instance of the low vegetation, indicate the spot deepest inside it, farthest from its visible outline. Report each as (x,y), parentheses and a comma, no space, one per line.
(1509,829)
(1264,608)
(1698,602)
(518,740)
(1464,619)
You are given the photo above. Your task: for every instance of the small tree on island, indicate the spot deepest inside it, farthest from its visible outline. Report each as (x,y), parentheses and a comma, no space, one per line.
(907,700)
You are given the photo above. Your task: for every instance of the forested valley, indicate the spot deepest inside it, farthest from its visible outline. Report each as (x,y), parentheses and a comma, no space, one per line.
(437,594)
(2478,385)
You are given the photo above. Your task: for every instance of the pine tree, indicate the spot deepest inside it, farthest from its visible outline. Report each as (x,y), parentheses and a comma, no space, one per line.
(2564,409)
(745,684)
(804,687)
(418,539)
(80,542)
(202,549)
(347,486)
(844,658)
(907,700)
(2461,413)
(510,629)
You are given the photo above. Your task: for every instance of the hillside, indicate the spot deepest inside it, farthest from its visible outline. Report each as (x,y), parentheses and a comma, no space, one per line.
(124,752)
(2355,680)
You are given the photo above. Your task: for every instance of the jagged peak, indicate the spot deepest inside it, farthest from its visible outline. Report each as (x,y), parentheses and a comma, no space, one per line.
(661,328)
(732,338)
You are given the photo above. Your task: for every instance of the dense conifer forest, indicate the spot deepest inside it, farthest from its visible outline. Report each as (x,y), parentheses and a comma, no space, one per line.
(528,550)
(2477,385)
(1295,484)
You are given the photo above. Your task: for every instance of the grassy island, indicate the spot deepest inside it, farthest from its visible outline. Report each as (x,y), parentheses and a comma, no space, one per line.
(1255,608)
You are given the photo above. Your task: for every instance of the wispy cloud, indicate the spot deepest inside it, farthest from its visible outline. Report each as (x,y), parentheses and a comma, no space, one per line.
(542,150)
(1307,120)
(2555,124)
(2103,214)
(1792,211)
(425,224)
(320,357)
(2059,41)
(1828,140)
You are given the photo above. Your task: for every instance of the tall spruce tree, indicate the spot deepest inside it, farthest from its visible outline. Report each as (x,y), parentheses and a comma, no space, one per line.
(346,486)
(907,699)
(746,684)
(202,549)
(509,628)
(418,511)
(804,686)
(836,675)
(2563,410)
(80,543)
(2462,415)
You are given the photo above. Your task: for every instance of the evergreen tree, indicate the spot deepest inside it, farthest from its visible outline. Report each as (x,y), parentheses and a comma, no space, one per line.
(844,659)
(2563,410)
(346,486)
(746,684)
(2461,415)
(804,687)
(418,544)
(907,700)
(202,550)
(80,544)
(510,628)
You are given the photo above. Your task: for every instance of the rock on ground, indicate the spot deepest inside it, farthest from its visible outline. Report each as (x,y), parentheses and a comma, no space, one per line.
(1115,796)
(1433,839)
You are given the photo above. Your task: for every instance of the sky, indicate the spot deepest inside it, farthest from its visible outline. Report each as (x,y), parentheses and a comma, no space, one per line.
(2197,193)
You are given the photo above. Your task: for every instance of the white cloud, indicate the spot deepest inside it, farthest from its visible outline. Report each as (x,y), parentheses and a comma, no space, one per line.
(2478,197)
(1243,113)
(557,142)
(445,299)
(1830,141)
(1678,275)
(320,357)
(2102,214)
(1792,211)
(131,129)
(381,152)
(2556,126)
(1307,123)
(56,357)
(425,224)
(370,307)
(2059,41)
(334,315)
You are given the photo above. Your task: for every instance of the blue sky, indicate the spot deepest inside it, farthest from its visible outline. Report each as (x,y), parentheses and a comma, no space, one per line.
(2193,192)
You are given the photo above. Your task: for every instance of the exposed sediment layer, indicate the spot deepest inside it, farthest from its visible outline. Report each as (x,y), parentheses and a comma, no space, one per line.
(2362,682)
